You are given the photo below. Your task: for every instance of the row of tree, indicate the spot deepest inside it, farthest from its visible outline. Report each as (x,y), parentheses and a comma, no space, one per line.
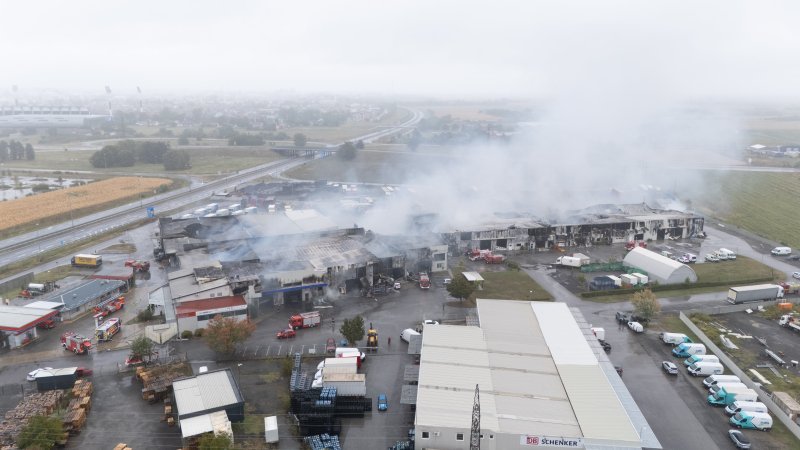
(128,153)
(16,151)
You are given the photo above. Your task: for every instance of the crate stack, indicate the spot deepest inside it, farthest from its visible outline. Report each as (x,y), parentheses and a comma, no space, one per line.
(168,412)
(36,404)
(323,441)
(78,408)
(299,380)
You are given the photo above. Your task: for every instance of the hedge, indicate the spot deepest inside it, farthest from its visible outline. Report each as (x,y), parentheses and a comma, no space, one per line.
(672,287)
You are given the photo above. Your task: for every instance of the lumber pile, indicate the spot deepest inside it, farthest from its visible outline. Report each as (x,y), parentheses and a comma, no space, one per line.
(157,381)
(79,406)
(36,404)
(122,447)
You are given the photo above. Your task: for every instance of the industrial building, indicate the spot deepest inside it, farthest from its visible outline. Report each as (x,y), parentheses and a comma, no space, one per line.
(208,403)
(658,267)
(46,117)
(598,225)
(86,296)
(540,384)
(195,315)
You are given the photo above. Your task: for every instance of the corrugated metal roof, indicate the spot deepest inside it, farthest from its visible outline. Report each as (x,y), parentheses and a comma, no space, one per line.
(472,276)
(408,394)
(562,335)
(411,373)
(205,391)
(217,422)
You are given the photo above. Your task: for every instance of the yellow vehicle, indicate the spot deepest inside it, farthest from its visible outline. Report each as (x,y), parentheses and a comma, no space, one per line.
(84,260)
(372,338)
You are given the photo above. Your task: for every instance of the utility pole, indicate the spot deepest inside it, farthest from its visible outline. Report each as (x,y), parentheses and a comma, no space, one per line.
(475,432)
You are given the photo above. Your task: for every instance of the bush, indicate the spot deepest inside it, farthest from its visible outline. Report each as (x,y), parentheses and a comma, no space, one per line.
(145,315)
(186,334)
(198,332)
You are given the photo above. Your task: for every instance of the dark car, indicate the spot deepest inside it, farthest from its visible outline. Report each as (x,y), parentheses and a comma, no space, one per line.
(330,345)
(640,319)
(606,346)
(622,317)
(794,258)
(739,439)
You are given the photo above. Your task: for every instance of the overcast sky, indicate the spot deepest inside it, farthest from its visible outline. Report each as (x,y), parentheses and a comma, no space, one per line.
(448,48)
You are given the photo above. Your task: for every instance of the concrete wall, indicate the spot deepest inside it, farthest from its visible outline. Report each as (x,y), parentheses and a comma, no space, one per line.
(161,333)
(763,397)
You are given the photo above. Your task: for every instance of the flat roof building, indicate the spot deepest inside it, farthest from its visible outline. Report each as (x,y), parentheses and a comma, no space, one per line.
(208,402)
(540,383)
(18,324)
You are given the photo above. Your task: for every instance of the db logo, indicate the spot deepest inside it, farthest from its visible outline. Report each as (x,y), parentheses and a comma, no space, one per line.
(533,440)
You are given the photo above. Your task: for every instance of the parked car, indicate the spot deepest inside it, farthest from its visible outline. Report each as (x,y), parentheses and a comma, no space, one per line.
(32,374)
(431,322)
(606,346)
(397,286)
(83,372)
(622,317)
(640,319)
(636,326)
(447,281)
(739,439)
(710,258)
(286,334)
(383,404)
(330,345)
(619,370)
(796,275)
(794,258)
(669,367)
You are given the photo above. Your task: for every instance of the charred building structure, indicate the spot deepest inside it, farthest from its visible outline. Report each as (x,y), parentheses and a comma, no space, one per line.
(597,225)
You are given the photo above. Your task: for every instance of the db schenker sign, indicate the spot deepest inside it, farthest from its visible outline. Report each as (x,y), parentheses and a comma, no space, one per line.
(547,441)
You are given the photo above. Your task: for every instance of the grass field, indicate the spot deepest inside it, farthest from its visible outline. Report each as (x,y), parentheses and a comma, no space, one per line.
(205,161)
(509,285)
(763,203)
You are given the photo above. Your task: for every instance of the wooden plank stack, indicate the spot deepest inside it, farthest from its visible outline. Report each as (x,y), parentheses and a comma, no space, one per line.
(122,447)
(157,381)
(36,404)
(79,406)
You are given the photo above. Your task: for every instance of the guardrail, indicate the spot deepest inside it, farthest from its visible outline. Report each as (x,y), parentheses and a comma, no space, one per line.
(724,359)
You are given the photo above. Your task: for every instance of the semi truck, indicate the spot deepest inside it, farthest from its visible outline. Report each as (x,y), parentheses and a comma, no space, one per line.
(424,281)
(686,350)
(569,261)
(729,394)
(304,320)
(346,384)
(700,369)
(752,420)
(86,260)
(789,322)
(755,293)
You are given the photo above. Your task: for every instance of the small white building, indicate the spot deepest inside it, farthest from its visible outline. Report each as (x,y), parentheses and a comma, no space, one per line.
(658,267)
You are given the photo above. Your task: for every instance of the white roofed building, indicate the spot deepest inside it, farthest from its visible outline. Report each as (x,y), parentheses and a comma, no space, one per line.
(658,267)
(540,384)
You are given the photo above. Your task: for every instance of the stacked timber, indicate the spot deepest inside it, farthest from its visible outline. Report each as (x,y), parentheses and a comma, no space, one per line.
(122,447)
(157,381)
(36,404)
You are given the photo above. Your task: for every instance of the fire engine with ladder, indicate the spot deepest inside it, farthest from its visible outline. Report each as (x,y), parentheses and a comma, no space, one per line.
(109,306)
(75,343)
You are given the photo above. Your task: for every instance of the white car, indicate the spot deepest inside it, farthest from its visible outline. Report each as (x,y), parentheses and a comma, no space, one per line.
(32,375)
(431,322)
(796,275)
(711,258)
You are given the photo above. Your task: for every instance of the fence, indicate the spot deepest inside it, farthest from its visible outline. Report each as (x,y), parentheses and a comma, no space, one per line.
(724,359)
(603,267)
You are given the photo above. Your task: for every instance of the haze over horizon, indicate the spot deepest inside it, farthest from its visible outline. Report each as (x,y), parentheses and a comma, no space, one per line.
(447,49)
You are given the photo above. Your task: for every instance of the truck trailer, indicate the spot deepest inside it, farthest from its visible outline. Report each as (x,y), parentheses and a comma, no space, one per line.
(86,260)
(756,293)
(346,384)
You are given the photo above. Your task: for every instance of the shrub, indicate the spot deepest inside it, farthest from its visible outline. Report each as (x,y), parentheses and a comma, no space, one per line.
(186,334)
(145,315)
(198,332)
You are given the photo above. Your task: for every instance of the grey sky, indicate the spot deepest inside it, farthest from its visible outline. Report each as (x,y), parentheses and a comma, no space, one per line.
(463,48)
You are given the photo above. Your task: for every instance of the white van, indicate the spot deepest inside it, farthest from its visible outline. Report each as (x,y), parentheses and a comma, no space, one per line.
(727,385)
(700,358)
(705,368)
(674,338)
(407,333)
(781,251)
(737,406)
(714,379)
(728,254)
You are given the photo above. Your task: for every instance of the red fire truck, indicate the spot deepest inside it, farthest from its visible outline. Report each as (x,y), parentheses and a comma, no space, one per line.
(75,343)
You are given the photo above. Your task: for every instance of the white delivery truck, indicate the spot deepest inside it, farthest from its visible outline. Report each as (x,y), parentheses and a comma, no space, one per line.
(698,358)
(674,338)
(569,261)
(714,379)
(751,420)
(738,406)
(781,251)
(705,369)
(714,388)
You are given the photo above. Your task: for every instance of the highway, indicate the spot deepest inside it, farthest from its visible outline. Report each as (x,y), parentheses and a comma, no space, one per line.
(71,230)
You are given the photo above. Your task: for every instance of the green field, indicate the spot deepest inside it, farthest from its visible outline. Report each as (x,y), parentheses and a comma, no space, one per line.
(205,161)
(763,203)
(510,285)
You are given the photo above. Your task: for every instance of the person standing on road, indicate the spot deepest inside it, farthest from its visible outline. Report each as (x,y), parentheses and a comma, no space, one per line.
(389,339)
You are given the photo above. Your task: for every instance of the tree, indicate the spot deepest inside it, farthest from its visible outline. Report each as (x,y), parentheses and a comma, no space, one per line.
(177,160)
(353,329)
(460,288)
(209,441)
(300,140)
(645,304)
(141,346)
(347,151)
(41,433)
(223,333)
(29,153)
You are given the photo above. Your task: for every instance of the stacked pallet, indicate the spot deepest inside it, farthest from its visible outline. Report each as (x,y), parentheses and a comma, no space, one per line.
(157,381)
(78,407)
(122,447)
(36,404)
(74,420)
